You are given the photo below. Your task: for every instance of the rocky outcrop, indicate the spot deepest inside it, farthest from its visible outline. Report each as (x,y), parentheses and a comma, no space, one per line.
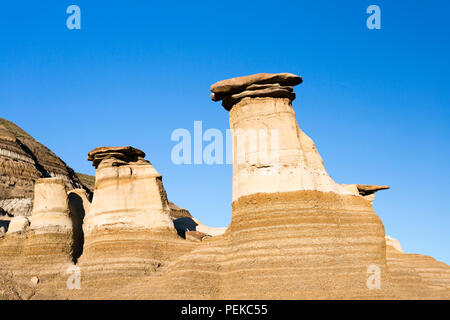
(278,85)
(128,231)
(51,207)
(364,190)
(128,192)
(271,153)
(417,276)
(295,233)
(45,247)
(394,243)
(23,160)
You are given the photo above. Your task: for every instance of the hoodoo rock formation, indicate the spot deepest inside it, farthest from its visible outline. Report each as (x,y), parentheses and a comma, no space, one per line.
(128,230)
(271,153)
(45,247)
(294,234)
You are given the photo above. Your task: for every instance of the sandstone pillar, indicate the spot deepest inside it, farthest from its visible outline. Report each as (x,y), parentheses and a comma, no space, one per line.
(295,233)
(50,207)
(128,192)
(128,231)
(270,152)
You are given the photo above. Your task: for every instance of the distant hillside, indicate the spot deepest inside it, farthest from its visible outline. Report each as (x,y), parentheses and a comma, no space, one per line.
(87,180)
(22,161)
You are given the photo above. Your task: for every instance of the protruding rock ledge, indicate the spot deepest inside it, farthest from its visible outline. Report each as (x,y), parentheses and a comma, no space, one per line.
(365,190)
(125,154)
(394,243)
(261,85)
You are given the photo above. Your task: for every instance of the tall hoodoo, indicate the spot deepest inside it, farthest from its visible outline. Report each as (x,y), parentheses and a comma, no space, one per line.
(271,153)
(295,230)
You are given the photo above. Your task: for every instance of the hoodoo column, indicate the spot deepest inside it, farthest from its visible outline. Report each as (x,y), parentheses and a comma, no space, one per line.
(294,232)
(270,152)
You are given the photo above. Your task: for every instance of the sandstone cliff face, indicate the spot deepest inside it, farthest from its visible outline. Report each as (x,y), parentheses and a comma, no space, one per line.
(23,160)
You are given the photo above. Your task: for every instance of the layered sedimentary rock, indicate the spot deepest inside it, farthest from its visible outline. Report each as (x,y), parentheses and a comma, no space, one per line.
(128,231)
(270,152)
(18,223)
(417,276)
(295,233)
(23,160)
(44,248)
(231,91)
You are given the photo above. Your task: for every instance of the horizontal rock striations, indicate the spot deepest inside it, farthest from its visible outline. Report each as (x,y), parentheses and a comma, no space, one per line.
(417,276)
(23,160)
(44,247)
(128,192)
(294,234)
(128,231)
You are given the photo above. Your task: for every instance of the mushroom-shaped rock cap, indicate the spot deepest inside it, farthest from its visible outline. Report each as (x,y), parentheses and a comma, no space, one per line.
(260,85)
(121,153)
(235,85)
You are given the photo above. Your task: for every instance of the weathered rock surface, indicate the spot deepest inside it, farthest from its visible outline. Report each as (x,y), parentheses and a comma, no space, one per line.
(128,230)
(125,154)
(231,91)
(276,92)
(394,243)
(234,85)
(23,160)
(271,154)
(365,190)
(184,224)
(45,248)
(128,192)
(294,234)
(18,224)
(196,235)
(51,207)
(417,276)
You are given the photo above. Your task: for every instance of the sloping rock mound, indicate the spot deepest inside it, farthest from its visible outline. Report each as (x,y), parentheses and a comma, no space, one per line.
(418,276)
(23,160)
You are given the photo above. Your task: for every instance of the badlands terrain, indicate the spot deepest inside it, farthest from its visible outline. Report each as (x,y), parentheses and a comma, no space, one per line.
(295,233)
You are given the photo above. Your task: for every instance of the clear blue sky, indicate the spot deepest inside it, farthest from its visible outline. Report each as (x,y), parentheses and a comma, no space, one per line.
(376,102)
